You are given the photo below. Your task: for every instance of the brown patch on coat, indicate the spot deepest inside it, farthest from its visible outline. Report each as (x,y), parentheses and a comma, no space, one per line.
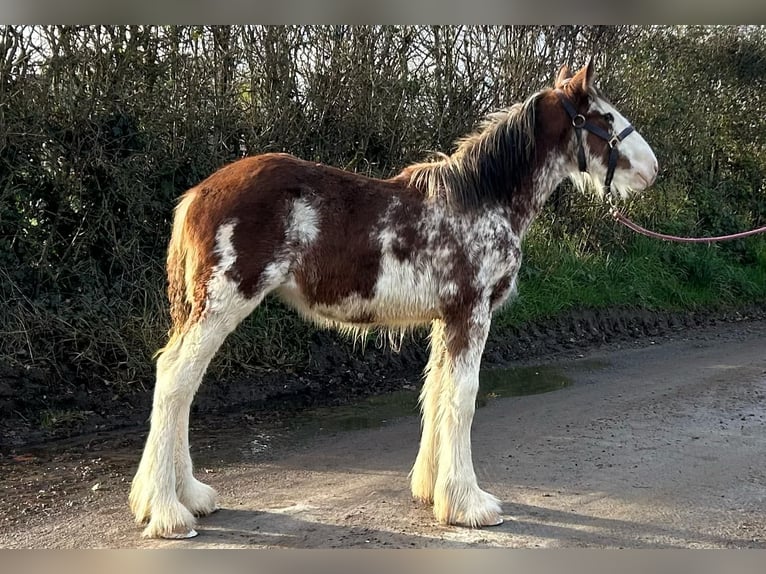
(552,134)
(404,221)
(458,311)
(460,321)
(345,258)
(458,329)
(499,291)
(258,192)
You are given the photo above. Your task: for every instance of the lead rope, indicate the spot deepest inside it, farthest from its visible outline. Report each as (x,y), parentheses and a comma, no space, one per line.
(617,215)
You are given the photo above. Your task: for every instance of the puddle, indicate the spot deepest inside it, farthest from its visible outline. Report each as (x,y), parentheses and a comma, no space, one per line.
(518,381)
(377,411)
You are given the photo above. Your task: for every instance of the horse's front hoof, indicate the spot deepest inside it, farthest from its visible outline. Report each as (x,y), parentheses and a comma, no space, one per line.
(171,520)
(467,506)
(490,522)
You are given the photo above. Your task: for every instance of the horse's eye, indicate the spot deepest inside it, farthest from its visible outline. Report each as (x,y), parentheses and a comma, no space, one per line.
(609,118)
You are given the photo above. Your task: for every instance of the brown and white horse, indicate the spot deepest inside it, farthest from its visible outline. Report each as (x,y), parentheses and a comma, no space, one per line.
(438,244)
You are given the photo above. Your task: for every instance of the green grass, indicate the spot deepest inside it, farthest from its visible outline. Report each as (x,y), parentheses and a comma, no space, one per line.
(557,277)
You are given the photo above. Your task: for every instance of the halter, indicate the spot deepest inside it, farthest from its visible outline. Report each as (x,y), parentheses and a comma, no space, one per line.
(580,123)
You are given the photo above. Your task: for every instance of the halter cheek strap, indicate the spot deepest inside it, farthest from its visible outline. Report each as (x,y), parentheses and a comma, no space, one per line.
(580,123)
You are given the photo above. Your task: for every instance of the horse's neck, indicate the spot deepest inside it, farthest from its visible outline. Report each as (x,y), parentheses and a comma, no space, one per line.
(528,201)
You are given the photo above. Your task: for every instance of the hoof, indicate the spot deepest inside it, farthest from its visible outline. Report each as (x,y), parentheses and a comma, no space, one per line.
(470,507)
(180,535)
(172,521)
(497,521)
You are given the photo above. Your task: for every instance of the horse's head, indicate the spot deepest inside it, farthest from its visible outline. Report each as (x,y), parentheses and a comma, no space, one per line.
(603,149)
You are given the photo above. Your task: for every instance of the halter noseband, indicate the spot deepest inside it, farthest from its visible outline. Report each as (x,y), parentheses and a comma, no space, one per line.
(580,123)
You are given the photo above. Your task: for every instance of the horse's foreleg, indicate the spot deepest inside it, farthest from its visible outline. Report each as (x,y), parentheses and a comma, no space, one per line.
(457,496)
(423,474)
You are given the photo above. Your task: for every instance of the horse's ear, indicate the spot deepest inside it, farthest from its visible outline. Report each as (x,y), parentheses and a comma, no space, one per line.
(589,76)
(564,74)
(583,79)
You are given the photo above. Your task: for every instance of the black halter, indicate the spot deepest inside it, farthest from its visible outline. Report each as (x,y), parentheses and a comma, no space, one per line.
(580,123)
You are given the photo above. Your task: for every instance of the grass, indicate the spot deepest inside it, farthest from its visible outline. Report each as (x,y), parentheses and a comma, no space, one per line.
(557,277)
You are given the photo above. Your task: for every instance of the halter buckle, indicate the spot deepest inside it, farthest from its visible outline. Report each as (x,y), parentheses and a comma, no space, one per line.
(614,141)
(578,121)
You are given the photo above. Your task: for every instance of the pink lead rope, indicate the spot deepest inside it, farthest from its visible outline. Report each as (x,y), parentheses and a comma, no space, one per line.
(642,230)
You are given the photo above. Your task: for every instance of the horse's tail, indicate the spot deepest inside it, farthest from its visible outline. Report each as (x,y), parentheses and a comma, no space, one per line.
(181,269)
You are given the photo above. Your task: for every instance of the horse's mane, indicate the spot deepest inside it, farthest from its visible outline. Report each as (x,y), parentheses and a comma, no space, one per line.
(488,165)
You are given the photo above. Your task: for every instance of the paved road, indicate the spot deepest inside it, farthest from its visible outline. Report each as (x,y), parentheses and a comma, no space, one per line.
(660,446)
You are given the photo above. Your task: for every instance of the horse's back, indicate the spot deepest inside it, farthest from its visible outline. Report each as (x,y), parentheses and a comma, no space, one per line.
(255,186)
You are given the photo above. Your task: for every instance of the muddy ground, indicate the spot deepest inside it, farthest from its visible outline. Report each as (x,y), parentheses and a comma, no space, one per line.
(658,441)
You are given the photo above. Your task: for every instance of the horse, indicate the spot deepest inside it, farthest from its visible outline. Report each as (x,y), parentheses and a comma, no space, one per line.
(437,244)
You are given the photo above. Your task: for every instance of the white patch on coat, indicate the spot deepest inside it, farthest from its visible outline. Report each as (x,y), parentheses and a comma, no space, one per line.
(222,291)
(301,231)
(303,227)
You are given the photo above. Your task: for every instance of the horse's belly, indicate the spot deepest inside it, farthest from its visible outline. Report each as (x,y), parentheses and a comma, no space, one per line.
(398,300)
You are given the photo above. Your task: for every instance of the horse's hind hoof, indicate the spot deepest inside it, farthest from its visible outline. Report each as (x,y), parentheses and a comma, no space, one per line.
(181,535)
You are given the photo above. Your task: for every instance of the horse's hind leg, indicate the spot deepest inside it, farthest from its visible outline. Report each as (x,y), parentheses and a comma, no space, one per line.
(164,491)
(457,496)
(423,474)
(197,497)
(180,369)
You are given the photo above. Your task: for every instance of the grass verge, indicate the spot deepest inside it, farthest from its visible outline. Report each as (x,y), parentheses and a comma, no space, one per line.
(557,277)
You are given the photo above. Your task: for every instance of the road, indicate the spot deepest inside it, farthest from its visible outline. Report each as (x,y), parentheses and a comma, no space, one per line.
(657,446)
